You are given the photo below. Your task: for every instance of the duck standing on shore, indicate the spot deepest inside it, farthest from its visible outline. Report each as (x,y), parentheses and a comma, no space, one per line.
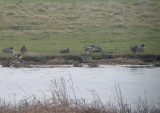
(17,61)
(18,57)
(93,64)
(23,49)
(6,63)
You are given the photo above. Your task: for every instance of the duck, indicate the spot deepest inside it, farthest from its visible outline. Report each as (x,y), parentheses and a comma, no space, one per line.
(17,64)
(141,48)
(6,63)
(89,48)
(23,49)
(93,64)
(8,50)
(77,64)
(133,49)
(65,51)
(98,49)
(18,56)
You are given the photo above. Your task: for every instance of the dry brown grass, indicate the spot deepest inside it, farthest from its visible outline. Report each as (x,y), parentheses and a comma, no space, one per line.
(61,102)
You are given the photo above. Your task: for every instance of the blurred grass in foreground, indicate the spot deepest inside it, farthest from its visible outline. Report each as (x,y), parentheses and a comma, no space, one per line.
(61,102)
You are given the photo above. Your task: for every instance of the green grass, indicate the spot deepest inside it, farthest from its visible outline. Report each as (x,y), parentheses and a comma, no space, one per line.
(66,1)
(48,27)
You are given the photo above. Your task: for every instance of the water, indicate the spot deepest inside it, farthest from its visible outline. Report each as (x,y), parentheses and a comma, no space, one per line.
(18,83)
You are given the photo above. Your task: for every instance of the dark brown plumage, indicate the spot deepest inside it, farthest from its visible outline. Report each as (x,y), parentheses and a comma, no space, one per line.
(23,49)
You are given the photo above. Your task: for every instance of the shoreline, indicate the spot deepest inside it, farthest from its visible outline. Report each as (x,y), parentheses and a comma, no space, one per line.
(70,60)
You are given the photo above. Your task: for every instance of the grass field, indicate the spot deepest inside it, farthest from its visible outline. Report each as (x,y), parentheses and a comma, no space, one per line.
(48,27)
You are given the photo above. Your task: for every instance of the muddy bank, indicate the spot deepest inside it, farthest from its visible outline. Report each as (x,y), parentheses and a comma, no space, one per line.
(102,59)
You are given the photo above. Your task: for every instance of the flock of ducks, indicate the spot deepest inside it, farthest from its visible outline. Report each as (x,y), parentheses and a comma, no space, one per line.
(133,49)
(10,50)
(91,48)
(87,49)
(17,57)
(140,48)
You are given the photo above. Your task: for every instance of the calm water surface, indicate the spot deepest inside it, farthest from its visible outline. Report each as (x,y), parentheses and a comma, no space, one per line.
(17,83)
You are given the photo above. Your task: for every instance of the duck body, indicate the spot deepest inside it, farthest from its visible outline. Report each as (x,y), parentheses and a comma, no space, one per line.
(133,49)
(17,64)
(77,64)
(141,48)
(65,51)
(17,56)
(23,49)
(89,48)
(98,49)
(93,64)
(8,50)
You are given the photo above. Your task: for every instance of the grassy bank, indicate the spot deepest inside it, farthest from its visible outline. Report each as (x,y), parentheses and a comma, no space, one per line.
(61,102)
(48,27)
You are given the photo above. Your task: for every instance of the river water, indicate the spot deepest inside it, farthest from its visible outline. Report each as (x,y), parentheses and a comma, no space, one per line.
(18,83)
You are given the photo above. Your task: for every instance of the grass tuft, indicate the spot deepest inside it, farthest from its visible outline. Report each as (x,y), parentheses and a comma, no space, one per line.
(62,102)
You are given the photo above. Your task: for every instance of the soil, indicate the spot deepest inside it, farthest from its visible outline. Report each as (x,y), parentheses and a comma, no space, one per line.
(70,60)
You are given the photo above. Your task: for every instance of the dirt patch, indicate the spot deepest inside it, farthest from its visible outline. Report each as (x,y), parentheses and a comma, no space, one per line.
(104,60)
(60,61)
(121,61)
(114,61)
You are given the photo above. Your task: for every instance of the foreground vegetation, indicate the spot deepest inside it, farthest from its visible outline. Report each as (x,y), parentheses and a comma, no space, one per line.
(48,27)
(61,102)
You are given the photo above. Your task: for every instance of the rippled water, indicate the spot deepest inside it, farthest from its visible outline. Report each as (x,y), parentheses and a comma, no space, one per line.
(17,83)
